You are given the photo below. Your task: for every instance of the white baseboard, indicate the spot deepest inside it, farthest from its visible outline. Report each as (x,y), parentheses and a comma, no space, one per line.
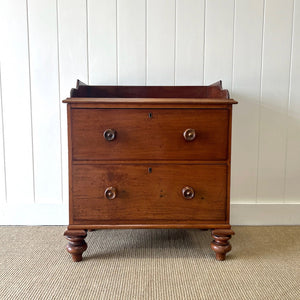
(241,214)
(265,214)
(34,214)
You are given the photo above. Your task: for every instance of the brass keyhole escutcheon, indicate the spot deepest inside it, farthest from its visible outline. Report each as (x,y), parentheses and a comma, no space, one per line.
(110,193)
(188,192)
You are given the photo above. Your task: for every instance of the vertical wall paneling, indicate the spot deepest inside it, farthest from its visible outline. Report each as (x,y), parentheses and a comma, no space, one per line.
(72,48)
(292,189)
(160,42)
(131,42)
(274,100)
(190,21)
(102,29)
(246,88)
(2,153)
(219,40)
(16,102)
(45,100)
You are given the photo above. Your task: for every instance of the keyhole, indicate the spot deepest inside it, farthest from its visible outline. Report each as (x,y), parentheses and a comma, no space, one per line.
(149,170)
(150,115)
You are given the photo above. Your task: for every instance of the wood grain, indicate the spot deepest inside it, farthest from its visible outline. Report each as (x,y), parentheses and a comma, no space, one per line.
(133,166)
(142,137)
(213,91)
(144,195)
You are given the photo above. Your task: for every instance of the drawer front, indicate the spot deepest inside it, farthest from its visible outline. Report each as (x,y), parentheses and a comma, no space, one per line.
(144,134)
(120,193)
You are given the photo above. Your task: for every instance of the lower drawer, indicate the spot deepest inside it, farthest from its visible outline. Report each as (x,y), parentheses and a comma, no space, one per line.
(167,192)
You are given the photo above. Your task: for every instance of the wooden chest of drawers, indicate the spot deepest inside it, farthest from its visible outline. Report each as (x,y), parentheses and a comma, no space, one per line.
(149,157)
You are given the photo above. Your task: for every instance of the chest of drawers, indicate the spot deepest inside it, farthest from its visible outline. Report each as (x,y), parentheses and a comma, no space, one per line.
(149,157)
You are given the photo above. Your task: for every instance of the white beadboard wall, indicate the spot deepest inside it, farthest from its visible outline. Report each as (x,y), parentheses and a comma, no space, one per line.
(252,45)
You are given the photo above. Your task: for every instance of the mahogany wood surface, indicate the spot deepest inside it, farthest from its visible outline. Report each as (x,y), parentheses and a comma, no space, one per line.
(151,225)
(152,101)
(158,136)
(221,244)
(143,195)
(77,244)
(213,91)
(149,157)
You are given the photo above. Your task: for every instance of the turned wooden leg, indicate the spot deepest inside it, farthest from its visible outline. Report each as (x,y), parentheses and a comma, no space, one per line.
(221,244)
(76,245)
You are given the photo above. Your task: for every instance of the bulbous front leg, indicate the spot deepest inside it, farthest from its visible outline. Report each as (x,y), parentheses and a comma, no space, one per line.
(221,244)
(76,245)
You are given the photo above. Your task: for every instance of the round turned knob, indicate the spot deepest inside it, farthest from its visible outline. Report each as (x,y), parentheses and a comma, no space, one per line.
(188,192)
(109,134)
(189,134)
(110,193)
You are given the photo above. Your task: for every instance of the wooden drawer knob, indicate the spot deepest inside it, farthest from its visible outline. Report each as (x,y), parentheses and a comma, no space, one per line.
(188,192)
(110,193)
(189,134)
(109,134)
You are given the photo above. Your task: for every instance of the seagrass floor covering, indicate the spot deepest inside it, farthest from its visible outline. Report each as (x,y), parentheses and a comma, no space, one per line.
(150,264)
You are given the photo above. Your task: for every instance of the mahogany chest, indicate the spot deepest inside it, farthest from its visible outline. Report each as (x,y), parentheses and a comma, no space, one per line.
(149,157)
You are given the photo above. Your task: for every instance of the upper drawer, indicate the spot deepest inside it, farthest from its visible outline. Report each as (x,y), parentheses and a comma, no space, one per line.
(145,134)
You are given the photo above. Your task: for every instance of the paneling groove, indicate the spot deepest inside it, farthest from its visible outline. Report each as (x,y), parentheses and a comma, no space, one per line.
(260,100)
(30,102)
(117,50)
(62,155)
(3,195)
(289,101)
(292,187)
(72,58)
(87,42)
(175,41)
(146,43)
(204,42)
